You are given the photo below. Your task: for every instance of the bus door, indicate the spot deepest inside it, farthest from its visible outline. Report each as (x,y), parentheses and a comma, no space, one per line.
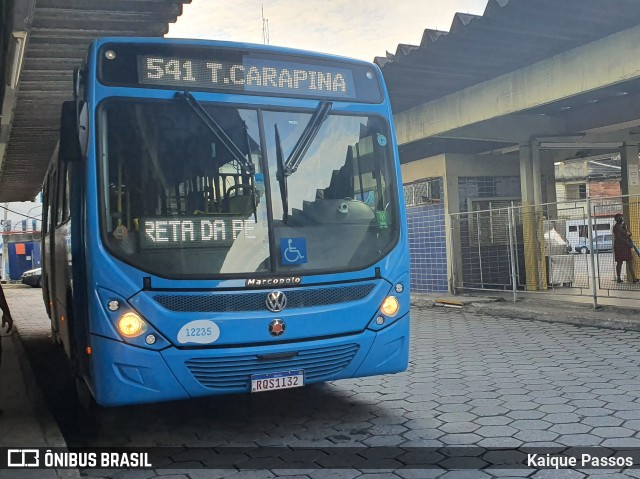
(48,224)
(61,257)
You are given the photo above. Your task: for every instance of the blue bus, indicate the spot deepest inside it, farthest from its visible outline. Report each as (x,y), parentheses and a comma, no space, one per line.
(224,218)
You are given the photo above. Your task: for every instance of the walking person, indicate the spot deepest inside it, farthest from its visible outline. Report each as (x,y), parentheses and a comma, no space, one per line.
(622,248)
(7,321)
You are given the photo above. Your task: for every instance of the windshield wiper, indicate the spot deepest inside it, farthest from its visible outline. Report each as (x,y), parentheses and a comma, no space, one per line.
(290,166)
(247,166)
(282,178)
(307,137)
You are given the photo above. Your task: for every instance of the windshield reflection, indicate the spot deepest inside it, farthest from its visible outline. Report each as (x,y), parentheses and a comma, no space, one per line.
(179,201)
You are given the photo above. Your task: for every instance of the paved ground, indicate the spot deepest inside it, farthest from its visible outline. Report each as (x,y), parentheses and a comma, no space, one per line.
(23,422)
(474,380)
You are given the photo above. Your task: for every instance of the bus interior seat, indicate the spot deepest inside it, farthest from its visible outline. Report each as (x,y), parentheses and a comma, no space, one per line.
(241,205)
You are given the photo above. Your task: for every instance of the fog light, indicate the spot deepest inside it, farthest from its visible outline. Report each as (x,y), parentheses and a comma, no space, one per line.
(150,339)
(131,325)
(390,306)
(399,288)
(113,305)
(379,320)
(110,55)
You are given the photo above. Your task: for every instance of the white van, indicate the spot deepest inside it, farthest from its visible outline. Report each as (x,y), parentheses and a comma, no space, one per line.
(577,229)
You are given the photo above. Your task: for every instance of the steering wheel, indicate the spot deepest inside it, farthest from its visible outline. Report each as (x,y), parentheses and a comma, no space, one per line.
(237,187)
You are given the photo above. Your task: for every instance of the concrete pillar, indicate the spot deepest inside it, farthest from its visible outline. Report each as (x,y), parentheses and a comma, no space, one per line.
(536,173)
(529,216)
(526,175)
(547,165)
(631,206)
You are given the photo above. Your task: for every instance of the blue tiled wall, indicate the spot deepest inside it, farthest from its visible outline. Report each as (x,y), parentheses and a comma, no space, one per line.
(428,247)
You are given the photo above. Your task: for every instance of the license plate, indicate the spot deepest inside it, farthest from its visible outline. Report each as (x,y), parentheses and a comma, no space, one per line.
(275,381)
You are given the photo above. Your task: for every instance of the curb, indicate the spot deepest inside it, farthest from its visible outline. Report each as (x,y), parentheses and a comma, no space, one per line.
(606,317)
(513,312)
(50,430)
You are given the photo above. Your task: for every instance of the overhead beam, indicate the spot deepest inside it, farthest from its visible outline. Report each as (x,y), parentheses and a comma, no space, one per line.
(515,129)
(559,77)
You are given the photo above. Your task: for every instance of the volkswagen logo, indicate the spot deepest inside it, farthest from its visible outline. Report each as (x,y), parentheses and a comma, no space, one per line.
(277,327)
(276,301)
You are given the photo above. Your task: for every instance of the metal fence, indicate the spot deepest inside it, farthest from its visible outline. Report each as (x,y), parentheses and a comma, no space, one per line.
(564,247)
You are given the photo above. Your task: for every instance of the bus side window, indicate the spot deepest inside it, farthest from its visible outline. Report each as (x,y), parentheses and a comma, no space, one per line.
(45,206)
(67,195)
(53,194)
(60,196)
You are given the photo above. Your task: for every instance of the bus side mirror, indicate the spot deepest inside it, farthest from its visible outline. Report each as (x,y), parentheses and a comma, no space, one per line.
(69,149)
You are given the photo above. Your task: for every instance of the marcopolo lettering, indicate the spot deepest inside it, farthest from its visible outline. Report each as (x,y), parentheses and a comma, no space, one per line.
(266,282)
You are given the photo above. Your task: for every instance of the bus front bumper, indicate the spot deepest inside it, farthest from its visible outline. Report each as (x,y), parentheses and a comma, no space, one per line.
(124,374)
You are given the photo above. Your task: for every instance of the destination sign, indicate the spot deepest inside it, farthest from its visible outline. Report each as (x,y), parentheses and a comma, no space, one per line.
(172,232)
(250,75)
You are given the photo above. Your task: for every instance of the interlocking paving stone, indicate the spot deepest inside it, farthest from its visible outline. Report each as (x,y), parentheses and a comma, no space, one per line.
(557,408)
(456,417)
(612,432)
(627,414)
(526,414)
(473,380)
(579,440)
(534,435)
(456,427)
(621,442)
(571,428)
(602,421)
(525,424)
(464,475)
(496,431)
(453,408)
(553,474)
(493,421)
(460,439)
(419,473)
(562,418)
(500,442)
(594,411)
(489,411)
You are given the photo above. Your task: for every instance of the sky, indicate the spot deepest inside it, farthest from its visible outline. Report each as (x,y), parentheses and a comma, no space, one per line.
(361,29)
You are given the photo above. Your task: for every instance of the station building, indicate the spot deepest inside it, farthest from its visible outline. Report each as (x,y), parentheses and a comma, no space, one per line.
(484,114)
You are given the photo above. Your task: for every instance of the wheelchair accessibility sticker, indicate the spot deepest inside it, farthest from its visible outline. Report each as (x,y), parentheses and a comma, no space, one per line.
(293,250)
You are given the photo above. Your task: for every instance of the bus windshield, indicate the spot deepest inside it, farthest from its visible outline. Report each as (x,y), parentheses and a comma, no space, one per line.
(179,202)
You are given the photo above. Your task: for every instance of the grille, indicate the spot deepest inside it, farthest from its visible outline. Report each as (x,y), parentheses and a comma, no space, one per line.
(234,372)
(255,301)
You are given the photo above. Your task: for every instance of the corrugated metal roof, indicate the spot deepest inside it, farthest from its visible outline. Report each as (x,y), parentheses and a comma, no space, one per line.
(60,33)
(509,35)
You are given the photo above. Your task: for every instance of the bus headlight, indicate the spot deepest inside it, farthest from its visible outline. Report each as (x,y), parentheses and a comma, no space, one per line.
(390,306)
(131,325)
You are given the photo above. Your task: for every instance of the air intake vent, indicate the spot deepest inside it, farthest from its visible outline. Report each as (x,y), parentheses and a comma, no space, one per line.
(233,373)
(255,301)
